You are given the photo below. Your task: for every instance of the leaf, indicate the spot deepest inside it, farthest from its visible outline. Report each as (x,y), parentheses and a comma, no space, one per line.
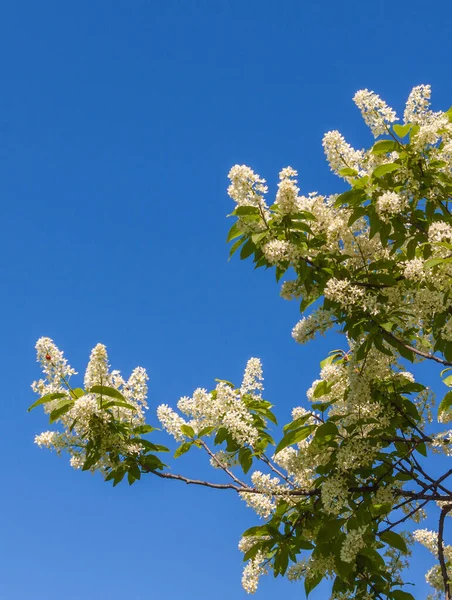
(327,432)
(445,403)
(236,245)
(77,392)
(312,582)
(45,399)
(352,197)
(144,429)
(384,146)
(401,595)
(206,431)
(292,437)
(104,390)
(188,431)
(347,172)
(247,249)
(322,388)
(245,459)
(402,130)
(183,448)
(60,409)
(241,211)
(384,169)
(113,403)
(260,530)
(297,423)
(395,540)
(432,262)
(234,232)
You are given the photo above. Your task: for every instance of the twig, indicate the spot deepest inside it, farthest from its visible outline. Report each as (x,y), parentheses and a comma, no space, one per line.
(447,587)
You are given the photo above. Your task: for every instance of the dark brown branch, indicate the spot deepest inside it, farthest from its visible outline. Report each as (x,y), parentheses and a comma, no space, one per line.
(437,359)
(442,561)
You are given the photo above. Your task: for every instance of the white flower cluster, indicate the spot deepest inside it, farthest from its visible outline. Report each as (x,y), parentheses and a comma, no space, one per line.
(390,204)
(224,407)
(418,105)
(343,292)
(87,419)
(246,188)
(376,113)
(317,322)
(287,195)
(353,543)
(334,494)
(339,154)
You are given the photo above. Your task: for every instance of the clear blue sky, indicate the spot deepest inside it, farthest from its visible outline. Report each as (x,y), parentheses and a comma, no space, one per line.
(118,124)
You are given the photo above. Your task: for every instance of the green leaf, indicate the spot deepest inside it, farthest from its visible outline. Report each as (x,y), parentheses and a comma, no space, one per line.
(432,262)
(401,595)
(141,429)
(60,409)
(45,399)
(353,197)
(236,245)
(247,249)
(104,390)
(77,392)
(402,130)
(296,424)
(243,211)
(326,432)
(445,403)
(183,448)
(113,403)
(395,540)
(188,431)
(206,431)
(295,436)
(384,146)
(312,582)
(245,459)
(347,172)
(384,169)
(322,388)
(260,530)
(234,232)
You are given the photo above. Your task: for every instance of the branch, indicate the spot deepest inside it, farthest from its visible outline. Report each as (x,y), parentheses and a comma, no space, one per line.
(437,359)
(221,465)
(217,486)
(442,562)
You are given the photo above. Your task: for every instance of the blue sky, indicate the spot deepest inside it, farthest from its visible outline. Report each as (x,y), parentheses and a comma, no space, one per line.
(119,122)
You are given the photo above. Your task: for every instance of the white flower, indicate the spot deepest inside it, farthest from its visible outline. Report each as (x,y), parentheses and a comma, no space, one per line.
(340,154)
(287,195)
(418,104)
(253,377)
(376,113)
(247,188)
(171,421)
(353,543)
(390,204)
(307,328)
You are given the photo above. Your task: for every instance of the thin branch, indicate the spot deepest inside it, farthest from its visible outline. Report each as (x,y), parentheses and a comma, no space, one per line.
(437,359)
(442,561)
(217,486)
(221,465)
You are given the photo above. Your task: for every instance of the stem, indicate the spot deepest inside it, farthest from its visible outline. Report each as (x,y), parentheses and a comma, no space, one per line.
(442,562)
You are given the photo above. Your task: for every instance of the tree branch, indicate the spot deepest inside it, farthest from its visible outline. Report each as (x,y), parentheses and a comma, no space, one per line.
(442,562)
